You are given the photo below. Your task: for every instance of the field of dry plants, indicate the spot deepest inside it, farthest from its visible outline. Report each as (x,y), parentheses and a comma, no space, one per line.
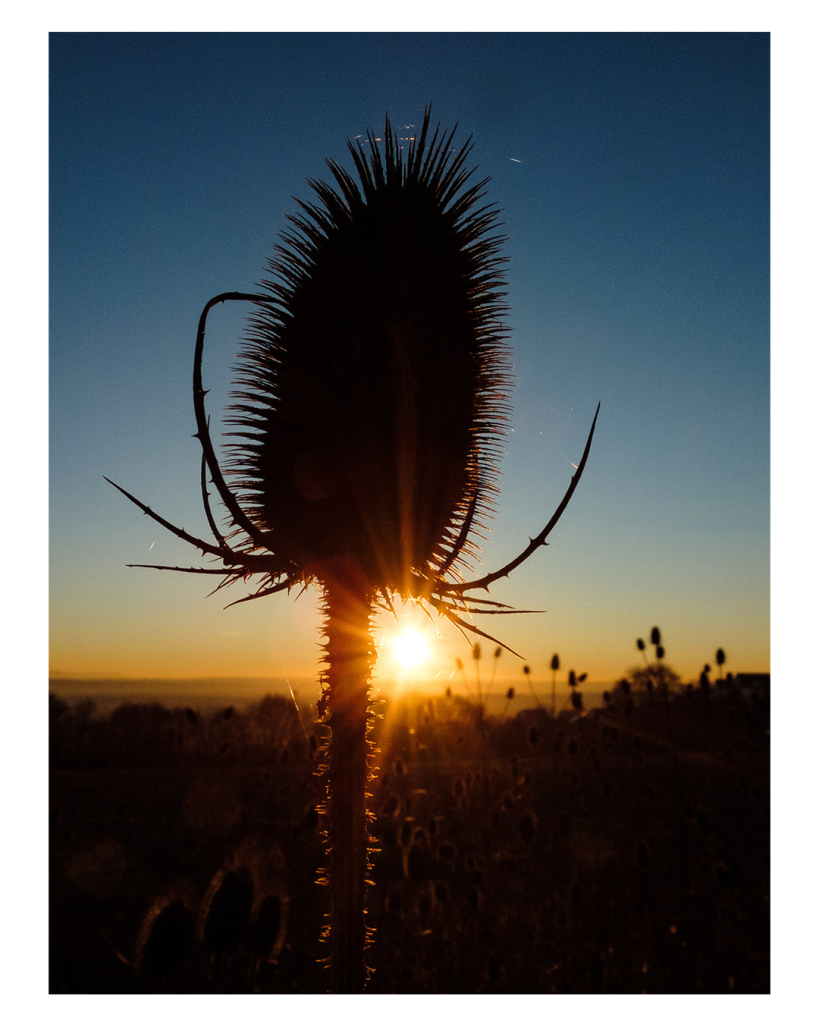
(619,850)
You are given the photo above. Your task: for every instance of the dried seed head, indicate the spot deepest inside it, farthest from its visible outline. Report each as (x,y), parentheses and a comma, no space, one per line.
(416,862)
(655,635)
(165,937)
(269,927)
(373,383)
(226,910)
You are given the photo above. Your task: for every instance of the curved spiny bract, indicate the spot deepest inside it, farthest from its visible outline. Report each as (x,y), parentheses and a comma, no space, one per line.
(373,380)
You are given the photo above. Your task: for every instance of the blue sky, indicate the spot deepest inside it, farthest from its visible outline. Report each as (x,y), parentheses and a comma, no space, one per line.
(632,170)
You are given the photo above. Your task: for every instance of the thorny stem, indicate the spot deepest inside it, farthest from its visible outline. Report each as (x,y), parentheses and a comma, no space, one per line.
(350,657)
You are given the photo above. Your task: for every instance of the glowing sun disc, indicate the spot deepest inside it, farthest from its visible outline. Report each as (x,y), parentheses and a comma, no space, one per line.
(410,648)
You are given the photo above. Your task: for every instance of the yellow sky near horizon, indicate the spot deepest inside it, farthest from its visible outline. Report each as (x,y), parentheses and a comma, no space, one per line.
(255,646)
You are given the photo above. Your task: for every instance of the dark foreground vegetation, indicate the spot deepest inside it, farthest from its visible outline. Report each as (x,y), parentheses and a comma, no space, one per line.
(618,850)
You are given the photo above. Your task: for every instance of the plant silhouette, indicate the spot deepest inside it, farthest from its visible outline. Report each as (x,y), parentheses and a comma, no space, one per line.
(371,402)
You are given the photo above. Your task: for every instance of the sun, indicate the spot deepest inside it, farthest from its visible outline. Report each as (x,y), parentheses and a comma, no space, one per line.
(410,648)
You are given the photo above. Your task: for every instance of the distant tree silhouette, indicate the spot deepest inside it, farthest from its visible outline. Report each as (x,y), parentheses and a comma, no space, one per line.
(651,677)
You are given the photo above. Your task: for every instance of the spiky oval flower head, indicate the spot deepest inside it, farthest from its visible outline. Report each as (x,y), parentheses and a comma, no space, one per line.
(374,378)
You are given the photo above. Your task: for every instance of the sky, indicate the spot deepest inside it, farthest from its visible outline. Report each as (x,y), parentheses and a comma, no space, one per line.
(632,170)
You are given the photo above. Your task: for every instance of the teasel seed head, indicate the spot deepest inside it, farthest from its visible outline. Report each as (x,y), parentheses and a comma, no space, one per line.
(373,380)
